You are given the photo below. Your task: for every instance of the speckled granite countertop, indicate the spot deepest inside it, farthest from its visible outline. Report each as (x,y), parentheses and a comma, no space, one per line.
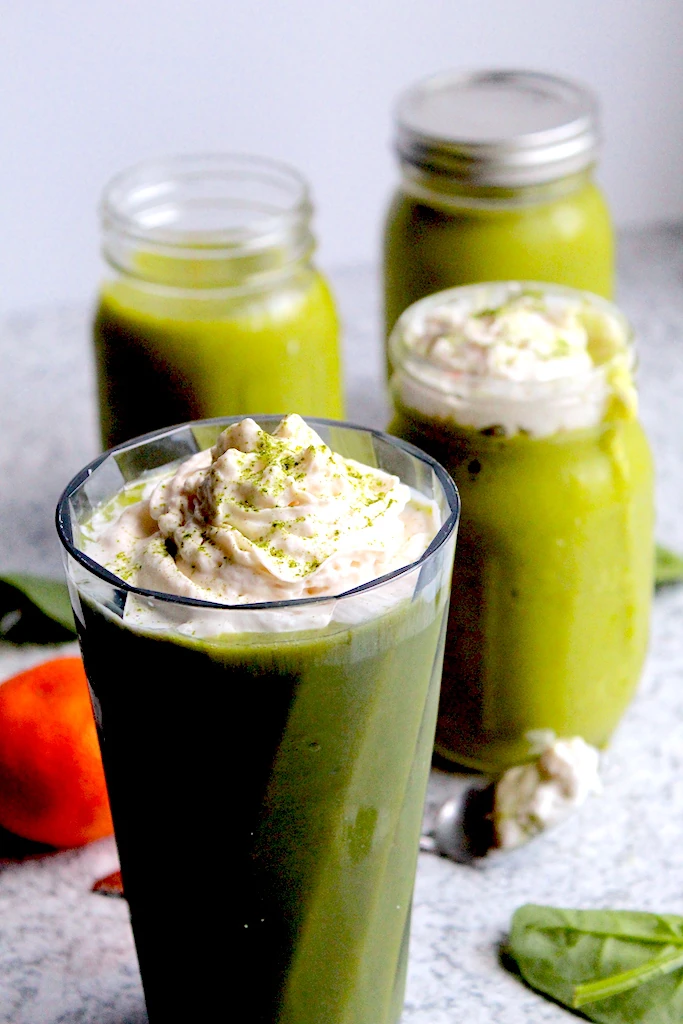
(67,956)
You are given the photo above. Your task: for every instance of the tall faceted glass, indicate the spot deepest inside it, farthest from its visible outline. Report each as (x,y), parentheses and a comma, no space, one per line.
(266,784)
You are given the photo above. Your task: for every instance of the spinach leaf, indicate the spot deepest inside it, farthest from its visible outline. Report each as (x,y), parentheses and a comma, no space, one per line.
(668,566)
(35,609)
(617,966)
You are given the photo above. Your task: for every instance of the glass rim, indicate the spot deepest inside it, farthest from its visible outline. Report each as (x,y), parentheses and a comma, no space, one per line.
(65,533)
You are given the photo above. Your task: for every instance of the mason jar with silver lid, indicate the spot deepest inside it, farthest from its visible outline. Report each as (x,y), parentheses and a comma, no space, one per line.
(496,184)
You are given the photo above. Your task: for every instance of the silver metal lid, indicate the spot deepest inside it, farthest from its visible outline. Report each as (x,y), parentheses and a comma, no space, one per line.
(498,128)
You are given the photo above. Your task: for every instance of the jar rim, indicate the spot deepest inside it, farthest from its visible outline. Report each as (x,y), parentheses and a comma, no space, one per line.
(241,221)
(144,200)
(498,128)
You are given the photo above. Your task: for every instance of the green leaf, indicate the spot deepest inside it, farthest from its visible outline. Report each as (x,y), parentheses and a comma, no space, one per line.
(592,991)
(618,966)
(35,609)
(668,566)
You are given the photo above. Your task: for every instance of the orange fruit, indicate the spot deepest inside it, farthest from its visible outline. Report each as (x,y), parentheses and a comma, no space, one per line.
(52,787)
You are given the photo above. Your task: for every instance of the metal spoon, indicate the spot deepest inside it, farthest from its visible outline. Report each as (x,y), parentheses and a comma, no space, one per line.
(463,830)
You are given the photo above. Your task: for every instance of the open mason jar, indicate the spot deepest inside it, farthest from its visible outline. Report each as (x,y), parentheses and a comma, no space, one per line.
(212,305)
(549,621)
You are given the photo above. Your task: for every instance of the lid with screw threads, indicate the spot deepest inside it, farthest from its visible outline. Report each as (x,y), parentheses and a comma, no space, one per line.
(502,129)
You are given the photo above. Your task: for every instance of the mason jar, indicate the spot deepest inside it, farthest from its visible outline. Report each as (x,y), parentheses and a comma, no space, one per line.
(496,184)
(212,305)
(550,610)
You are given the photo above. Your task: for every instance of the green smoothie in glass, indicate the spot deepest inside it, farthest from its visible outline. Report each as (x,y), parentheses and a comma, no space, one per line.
(262,625)
(525,392)
(212,305)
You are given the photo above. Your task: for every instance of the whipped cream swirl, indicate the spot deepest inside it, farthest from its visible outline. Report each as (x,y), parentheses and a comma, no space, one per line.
(509,356)
(263,517)
(523,339)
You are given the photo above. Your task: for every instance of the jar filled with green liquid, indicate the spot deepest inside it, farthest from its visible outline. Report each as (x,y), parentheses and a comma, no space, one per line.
(526,394)
(496,184)
(212,305)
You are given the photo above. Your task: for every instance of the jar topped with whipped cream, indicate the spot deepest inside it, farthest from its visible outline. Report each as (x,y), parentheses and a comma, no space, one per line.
(526,393)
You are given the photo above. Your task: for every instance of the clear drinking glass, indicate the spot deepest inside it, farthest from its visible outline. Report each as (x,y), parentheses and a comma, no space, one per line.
(266,786)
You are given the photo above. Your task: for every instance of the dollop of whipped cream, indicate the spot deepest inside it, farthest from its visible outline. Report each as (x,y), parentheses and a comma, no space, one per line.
(533,362)
(263,517)
(530,798)
(521,340)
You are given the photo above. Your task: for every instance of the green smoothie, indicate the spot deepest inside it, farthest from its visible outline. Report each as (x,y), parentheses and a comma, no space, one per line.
(165,358)
(272,787)
(432,246)
(553,576)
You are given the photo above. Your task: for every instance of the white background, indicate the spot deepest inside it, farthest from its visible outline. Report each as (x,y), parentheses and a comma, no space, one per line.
(90,86)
